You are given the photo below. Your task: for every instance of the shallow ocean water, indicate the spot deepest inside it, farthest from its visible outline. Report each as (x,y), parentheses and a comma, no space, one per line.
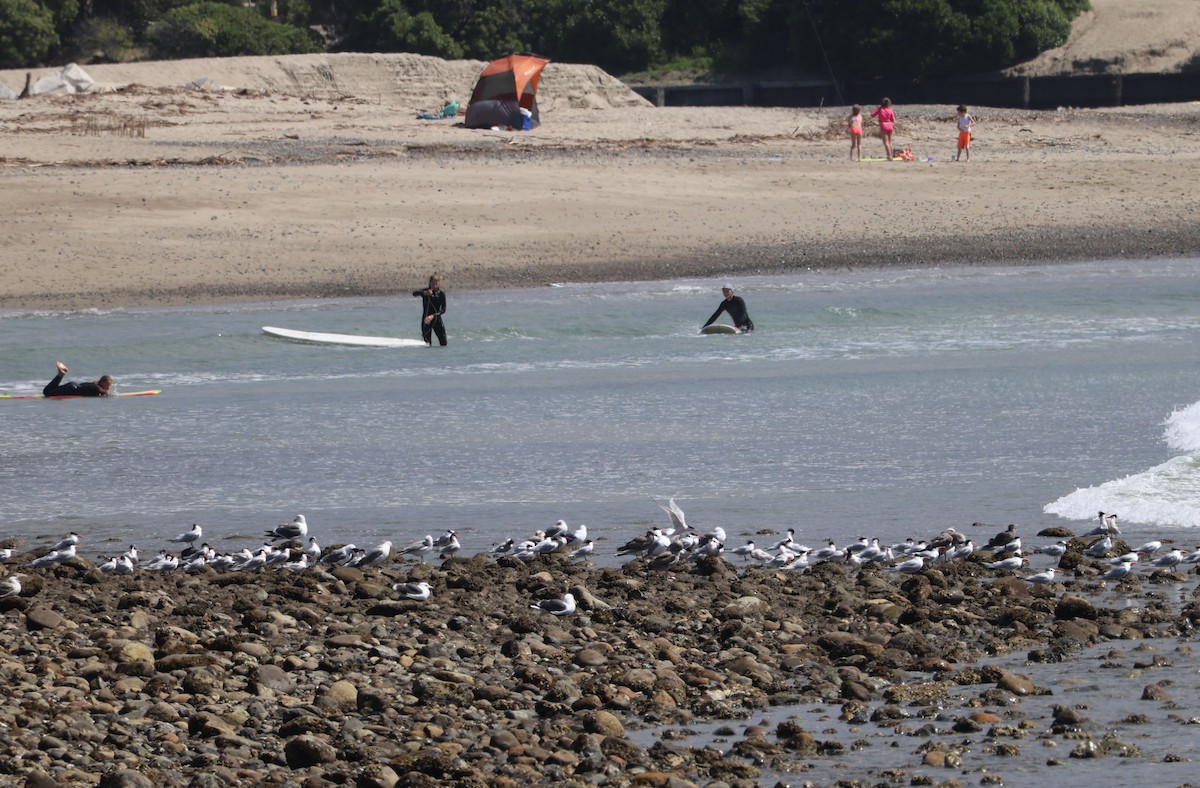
(884,402)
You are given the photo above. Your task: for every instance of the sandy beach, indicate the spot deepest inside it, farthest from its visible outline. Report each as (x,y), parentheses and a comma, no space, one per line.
(306,177)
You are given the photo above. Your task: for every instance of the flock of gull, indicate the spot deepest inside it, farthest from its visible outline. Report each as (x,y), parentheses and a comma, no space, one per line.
(290,548)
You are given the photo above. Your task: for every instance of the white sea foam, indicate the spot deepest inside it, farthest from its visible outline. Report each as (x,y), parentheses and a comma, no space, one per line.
(1165,495)
(1183,429)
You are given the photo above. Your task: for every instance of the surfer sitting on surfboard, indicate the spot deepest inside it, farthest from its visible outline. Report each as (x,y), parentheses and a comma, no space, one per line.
(433,306)
(735,307)
(93,388)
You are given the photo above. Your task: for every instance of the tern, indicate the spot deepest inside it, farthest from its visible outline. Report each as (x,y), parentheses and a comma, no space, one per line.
(189,537)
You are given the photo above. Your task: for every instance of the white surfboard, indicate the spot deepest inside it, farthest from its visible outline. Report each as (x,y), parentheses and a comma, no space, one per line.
(340,339)
(719,328)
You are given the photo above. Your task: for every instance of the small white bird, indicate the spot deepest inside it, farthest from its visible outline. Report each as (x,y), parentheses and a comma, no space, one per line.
(1099,548)
(1056,550)
(54,557)
(299,565)
(1015,562)
(1168,560)
(579,534)
(312,549)
(445,539)
(560,528)
(67,541)
(911,566)
(1041,578)
(296,529)
(11,586)
(418,592)
(6,554)
(190,537)
(584,551)
(558,607)
(1109,521)
(1149,548)
(340,555)
(503,548)
(1118,571)
(744,551)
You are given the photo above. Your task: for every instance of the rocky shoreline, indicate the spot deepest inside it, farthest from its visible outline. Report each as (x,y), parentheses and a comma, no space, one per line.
(328,678)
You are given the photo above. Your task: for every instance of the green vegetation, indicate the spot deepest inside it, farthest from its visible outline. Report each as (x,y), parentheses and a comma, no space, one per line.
(852,39)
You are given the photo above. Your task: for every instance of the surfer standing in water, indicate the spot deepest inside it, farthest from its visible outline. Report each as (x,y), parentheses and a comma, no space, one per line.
(433,306)
(93,388)
(735,307)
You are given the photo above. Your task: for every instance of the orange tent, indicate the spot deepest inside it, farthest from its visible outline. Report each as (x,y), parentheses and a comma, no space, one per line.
(506,93)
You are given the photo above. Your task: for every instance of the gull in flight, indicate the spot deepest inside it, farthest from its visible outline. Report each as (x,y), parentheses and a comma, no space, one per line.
(558,607)
(418,592)
(189,537)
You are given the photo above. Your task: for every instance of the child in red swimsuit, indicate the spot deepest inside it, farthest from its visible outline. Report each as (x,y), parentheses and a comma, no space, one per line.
(887,124)
(855,124)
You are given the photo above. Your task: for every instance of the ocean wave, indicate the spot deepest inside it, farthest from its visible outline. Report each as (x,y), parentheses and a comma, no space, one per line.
(1182,431)
(1167,495)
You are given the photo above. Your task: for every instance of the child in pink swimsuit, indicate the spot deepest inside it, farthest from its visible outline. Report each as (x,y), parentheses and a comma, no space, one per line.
(887,123)
(855,124)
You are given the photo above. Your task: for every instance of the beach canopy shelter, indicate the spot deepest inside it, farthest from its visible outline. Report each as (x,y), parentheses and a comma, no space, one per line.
(506,86)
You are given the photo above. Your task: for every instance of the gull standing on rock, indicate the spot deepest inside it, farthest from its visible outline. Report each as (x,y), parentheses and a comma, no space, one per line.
(376,555)
(312,549)
(190,537)
(452,547)
(558,607)
(420,547)
(296,529)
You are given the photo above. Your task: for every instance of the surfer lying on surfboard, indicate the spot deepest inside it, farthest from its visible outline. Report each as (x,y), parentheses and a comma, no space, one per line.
(92,388)
(735,307)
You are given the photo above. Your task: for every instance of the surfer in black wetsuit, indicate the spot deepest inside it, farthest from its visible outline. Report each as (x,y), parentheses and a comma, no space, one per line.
(735,307)
(92,388)
(433,306)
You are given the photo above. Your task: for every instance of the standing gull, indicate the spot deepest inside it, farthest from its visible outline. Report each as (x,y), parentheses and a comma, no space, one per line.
(296,529)
(376,555)
(189,537)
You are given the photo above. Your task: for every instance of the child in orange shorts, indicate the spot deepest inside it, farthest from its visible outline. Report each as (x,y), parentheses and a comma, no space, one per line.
(855,126)
(965,124)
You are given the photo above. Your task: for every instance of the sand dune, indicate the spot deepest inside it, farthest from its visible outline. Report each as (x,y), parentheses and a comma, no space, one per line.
(1126,37)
